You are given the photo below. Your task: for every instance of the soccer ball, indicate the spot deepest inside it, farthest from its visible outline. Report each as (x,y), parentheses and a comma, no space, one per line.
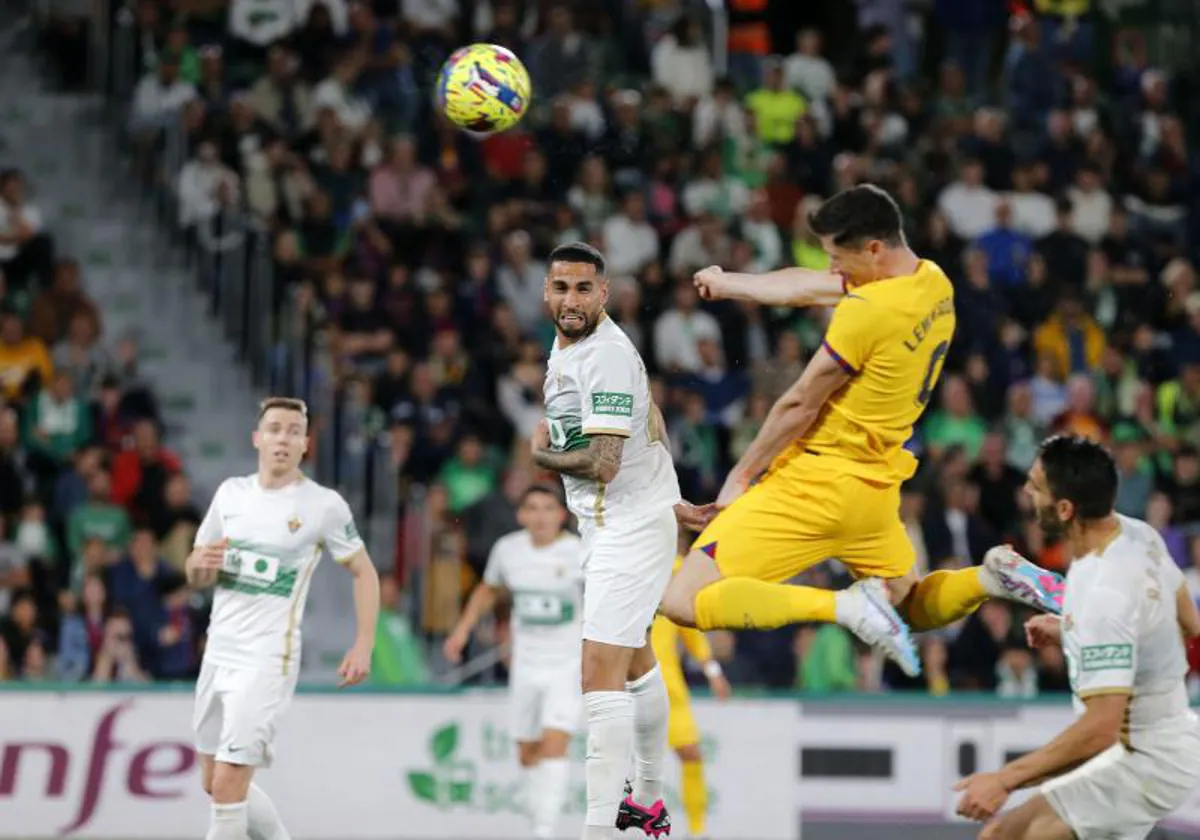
(483,89)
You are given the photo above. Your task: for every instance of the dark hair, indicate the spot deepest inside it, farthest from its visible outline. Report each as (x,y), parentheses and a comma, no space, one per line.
(1081,471)
(540,489)
(854,216)
(578,252)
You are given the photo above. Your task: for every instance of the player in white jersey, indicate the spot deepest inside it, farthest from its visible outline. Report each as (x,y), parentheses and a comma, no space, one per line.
(541,567)
(259,544)
(1133,754)
(604,434)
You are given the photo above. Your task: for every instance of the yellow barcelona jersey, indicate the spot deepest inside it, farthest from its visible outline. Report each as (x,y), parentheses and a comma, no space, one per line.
(892,337)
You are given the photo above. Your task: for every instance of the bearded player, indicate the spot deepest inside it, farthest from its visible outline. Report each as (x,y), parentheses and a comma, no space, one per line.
(827,465)
(604,435)
(259,544)
(1132,756)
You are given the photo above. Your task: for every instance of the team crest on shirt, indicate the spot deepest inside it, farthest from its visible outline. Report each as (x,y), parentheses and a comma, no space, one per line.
(294,524)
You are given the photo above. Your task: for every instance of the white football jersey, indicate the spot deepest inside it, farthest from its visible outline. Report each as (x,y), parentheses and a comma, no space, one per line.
(276,538)
(598,386)
(547,591)
(1121,629)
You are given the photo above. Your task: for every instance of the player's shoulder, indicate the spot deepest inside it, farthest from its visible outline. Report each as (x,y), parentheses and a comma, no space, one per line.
(608,345)
(511,541)
(236,485)
(314,494)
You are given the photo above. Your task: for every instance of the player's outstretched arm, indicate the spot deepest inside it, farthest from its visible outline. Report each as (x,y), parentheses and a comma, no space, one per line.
(356,667)
(599,461)
(482,601)
(1091,734)
(791,417)
(785,287)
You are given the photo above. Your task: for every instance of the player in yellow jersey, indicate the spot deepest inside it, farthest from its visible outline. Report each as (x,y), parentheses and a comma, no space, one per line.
(683,734)
(822,478)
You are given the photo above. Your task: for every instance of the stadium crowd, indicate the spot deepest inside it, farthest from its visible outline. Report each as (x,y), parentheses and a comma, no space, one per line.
(1054,190)
(95,513)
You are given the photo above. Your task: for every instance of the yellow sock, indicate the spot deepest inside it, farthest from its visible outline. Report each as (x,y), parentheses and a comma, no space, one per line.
(942,598)
(695,797)
(748,604)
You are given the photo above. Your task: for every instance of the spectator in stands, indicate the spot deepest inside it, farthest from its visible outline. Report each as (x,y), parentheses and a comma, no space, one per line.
(140,472)
(26,250)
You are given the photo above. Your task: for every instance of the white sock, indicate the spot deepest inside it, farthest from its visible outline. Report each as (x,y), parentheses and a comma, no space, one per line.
(548,794)
(529,794)
(609,751)
(262,820)
(650,716)
(228,822)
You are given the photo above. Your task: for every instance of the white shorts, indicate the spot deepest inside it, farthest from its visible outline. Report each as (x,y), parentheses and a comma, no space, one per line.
(545,698)
(1122,794)
(626,569)
(237,712)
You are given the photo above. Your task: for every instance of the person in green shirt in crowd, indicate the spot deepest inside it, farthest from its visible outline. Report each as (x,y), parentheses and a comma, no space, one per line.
(955,423)
(776,107)
(57,422)
(397,659)
(826,655)
(470,475)
(98,519)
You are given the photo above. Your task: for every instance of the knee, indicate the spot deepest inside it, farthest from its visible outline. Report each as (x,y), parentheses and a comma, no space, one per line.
(999,828)
(604,668)
(230,783)
(679,603)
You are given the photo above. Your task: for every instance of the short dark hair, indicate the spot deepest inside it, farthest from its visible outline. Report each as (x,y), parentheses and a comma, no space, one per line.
(857,215)
(1081,471)
(286,403)
(540,489)
(578,252)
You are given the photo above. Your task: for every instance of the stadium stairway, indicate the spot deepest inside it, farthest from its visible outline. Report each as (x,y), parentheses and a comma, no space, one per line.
(136,277)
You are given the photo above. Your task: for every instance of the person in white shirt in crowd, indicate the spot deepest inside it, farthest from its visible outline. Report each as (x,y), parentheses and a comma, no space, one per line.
(1091,204)
(681,63)
(1033,212)
(259,544)
(718,115)
(763,234)
(26,251)
(199,183)
(281,98)
(540,568)
(257,24)
(679,331)
(704,242)
(336,92)
(807,70)
(630,241)
(519,279)
(715,192)
(159,97)
(968,204)
(1132,756)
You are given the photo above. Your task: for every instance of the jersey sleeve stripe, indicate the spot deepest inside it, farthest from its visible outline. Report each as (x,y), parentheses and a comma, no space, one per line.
(1102,692)
(604,430)
(846,366)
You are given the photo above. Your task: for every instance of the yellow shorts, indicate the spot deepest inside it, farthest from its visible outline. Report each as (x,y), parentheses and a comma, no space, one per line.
(682,730)
(804,512)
